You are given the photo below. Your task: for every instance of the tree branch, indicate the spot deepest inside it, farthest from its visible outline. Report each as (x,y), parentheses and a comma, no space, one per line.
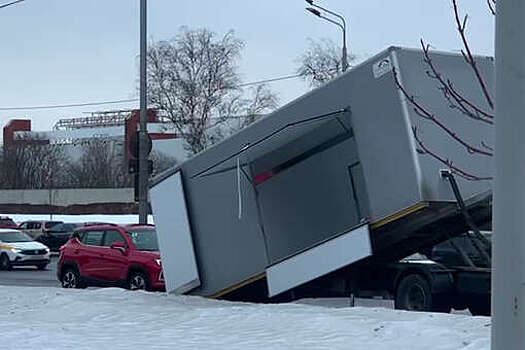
(492,6)
(447,162)
(456,100)
(424,113)
(467,54)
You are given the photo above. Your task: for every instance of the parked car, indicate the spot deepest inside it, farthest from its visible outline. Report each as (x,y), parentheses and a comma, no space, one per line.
(111,255)
(58,235)
(7,222)
(35,227)
(18,249)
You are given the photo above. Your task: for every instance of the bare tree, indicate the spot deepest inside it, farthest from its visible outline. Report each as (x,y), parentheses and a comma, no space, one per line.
(99,166)
(321,63)
(193,79)
(456,100)
(243,111)
(161,161)
(32,163)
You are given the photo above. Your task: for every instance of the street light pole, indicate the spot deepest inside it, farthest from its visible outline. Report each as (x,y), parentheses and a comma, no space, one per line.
(345,54)
(342,26)
(143,131)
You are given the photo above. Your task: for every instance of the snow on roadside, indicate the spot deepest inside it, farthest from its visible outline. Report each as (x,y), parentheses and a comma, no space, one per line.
(116,219)
(51,318)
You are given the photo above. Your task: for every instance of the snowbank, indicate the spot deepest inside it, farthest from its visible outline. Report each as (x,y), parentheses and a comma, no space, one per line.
(51,318)
(116,219)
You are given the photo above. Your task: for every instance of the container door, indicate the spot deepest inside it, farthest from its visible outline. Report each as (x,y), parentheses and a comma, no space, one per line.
(173,232)
(319,260)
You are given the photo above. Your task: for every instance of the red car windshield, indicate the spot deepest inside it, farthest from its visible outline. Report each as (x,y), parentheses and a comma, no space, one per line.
(144,239)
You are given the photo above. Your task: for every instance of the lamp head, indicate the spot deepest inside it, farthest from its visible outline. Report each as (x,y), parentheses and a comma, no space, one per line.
(311,2)
(314,11)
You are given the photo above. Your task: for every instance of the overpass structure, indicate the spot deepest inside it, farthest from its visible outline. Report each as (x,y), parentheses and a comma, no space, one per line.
(69,201)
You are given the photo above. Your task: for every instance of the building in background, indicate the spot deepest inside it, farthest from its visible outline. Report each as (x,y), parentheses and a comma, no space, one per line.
(117,127)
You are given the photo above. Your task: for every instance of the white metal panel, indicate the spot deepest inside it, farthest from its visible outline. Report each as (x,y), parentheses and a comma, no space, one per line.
(315,262)
(174,235)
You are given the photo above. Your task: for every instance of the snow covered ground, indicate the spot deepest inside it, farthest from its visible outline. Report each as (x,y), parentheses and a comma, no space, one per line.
(116,219)
(51,318)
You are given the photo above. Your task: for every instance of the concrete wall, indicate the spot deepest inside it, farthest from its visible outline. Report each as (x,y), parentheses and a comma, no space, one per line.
(69,201)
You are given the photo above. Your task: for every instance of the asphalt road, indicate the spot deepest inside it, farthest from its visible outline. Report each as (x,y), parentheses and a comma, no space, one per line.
(30,276)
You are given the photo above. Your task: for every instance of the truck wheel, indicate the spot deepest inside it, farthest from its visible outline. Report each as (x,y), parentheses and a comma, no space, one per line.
(414,294)
(441,303)
(479,307)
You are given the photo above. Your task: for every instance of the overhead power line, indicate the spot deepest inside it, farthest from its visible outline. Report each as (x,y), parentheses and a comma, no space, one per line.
(57,106)
(10,3)
(68,105)
(271,80)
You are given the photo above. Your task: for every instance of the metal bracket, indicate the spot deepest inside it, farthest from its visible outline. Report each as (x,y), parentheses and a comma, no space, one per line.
(478,241)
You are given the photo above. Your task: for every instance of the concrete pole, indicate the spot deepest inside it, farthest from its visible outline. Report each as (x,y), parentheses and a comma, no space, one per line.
(508,279)
(143,132)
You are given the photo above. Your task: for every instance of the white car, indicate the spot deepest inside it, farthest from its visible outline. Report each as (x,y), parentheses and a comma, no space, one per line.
(18,249)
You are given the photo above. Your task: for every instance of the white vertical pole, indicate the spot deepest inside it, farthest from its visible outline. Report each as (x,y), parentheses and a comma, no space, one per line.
(508,279)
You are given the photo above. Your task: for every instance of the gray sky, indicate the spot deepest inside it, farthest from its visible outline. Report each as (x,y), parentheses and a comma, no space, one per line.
(73,51)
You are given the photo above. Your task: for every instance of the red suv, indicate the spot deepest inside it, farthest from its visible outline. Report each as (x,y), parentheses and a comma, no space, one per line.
(111,255)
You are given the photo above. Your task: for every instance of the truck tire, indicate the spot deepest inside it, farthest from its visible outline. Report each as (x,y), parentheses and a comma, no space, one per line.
(441,303)
(479,306)
(414,294)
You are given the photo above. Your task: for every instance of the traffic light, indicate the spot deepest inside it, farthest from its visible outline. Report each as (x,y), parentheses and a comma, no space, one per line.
(133,162)
(134,145)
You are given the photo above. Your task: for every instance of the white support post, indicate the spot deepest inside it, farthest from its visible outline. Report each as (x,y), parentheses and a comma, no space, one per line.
(508,280)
